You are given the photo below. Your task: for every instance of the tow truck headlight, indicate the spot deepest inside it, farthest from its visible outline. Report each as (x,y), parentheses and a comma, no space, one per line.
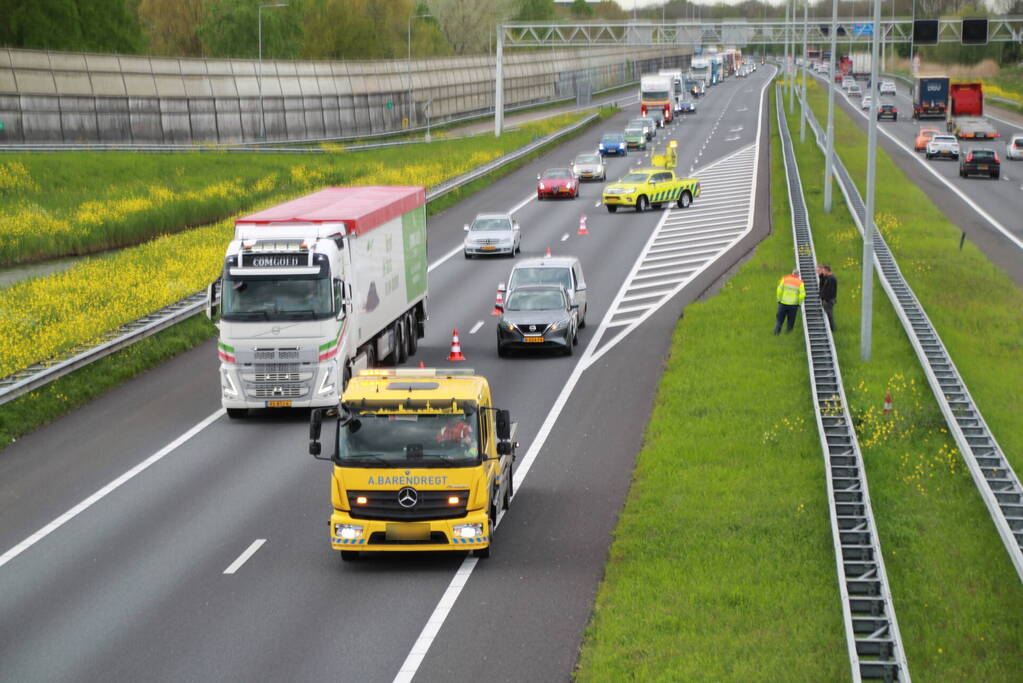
(468,530)
(347,531)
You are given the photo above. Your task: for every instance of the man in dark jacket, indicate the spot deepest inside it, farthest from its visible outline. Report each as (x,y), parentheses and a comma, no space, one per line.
(828,287)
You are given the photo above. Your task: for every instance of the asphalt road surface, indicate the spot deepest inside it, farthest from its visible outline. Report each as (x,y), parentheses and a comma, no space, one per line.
(988,211)
(120,519)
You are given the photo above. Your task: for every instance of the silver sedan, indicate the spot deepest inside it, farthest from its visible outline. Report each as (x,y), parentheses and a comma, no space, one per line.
(589,167)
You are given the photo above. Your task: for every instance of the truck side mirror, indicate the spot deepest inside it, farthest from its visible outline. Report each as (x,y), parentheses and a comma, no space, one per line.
(503,425)
(504,448)
(213,300)
(315,426)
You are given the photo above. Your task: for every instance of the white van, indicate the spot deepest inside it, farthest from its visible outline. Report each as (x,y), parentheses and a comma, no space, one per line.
(560,270)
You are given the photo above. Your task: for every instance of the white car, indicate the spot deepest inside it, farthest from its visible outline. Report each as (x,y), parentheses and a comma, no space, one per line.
(1014,148)
(887,88)
(943,146)
(848,82)
(492,233)
(854,90)
(865,102)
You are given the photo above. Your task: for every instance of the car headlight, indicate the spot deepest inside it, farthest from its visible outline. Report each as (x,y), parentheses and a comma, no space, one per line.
(560,325)
(468,530)
(347,531)
(509,326)
(600,146)
(630,190)
(542,187)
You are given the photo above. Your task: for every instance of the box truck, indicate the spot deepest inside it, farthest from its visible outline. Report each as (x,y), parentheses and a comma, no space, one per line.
(315,289)
(655,94)
(930,98)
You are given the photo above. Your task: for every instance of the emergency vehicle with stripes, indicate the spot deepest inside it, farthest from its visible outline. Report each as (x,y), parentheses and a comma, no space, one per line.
(650,187)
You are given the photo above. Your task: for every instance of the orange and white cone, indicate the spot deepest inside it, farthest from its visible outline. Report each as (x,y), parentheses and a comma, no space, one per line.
(582,226)
(548,252)
(456,347)
(499,303)
(887,403)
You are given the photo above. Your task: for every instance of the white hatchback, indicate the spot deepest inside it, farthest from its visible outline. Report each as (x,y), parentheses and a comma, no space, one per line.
(887,88)
(1014,148)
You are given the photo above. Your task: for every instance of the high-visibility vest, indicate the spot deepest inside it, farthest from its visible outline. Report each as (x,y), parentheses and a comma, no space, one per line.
(791,290)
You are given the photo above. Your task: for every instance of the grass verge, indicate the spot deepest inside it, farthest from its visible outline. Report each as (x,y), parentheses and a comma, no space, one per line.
(722,567)
(957,597)
(70,203)
(44,405)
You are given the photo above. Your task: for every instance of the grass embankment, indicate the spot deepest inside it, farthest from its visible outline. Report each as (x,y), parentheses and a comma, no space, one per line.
(61,204)
(957,597)
(49,315)
(722,567)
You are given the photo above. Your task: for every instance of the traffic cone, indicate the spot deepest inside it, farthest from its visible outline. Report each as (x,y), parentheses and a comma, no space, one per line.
(499,303)
(887,403)
(456,347)
(422,364)
(582,226)
(548,252)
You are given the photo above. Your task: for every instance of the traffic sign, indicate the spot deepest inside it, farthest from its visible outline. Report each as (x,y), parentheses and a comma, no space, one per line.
(863,29)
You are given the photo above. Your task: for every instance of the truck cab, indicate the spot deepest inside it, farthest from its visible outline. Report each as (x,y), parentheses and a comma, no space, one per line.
(421,461)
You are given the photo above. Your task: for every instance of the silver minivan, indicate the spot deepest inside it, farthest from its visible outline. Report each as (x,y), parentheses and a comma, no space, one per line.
(560,270)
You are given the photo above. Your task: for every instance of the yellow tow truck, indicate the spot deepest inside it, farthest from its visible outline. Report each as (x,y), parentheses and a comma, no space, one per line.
(422,461)
(650,187)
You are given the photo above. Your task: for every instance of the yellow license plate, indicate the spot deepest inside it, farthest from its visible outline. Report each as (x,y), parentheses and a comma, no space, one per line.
(533,340)
(489,248)
(408,532)
(982,167)
(278,404)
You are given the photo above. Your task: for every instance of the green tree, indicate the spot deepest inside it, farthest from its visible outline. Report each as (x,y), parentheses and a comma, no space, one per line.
(172,26)
(581,9)
(229,28)
(110,26)
(536,10)
(46,25)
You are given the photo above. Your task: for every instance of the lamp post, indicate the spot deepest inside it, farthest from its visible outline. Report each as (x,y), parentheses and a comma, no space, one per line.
(828,176)
(259,21)
(411,108)
(866,315)
(802,119)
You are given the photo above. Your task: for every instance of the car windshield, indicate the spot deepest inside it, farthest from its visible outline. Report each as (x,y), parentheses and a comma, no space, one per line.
(273,299)
(943,138)
(654,95)
(634,131)
(541,276)
(557,173)
(491,224)
(1018,143)
(611,138)
(983,154)
(638,122)
(539,300)
(635,177)
(587,159)
(442,440)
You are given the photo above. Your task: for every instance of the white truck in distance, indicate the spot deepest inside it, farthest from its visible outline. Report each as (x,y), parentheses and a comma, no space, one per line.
(315,289)
(700,68)
(677,87)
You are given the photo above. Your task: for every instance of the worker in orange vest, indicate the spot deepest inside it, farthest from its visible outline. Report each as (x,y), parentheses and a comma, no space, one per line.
(790,294)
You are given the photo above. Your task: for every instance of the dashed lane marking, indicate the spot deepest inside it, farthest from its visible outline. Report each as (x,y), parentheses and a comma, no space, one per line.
(476,327)
(564,237)
(244,557)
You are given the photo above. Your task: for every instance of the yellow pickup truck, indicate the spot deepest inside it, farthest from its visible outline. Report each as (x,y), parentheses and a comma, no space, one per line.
(422,461)
(650,187)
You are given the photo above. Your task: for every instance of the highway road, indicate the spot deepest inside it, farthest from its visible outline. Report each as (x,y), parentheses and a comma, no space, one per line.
(987,210)
(130,548)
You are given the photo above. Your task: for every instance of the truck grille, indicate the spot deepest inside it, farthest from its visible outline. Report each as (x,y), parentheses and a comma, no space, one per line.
(277,391)
(384,505)
(277,372)
(275,354)
(380,538)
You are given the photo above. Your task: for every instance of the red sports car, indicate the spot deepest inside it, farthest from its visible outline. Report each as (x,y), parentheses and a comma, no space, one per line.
(557,182)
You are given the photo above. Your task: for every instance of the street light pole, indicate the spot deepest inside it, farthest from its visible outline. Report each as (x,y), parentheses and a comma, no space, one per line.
(866,315)
(259,22)
(408,68)
(802,119)
(499,85)
(828,175)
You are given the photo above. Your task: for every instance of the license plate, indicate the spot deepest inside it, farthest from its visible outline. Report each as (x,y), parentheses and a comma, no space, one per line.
(408,532)
(278,404)
(489,248)
(982,167)
(533,340)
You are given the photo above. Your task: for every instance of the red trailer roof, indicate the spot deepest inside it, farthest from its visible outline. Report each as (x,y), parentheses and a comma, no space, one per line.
(361,208)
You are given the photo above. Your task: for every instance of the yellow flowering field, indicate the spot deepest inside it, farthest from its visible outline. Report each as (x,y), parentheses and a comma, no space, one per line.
(44,317)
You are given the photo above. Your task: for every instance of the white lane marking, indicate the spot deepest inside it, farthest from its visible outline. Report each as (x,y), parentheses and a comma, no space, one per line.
(564,237)
(597,205)
(108,489)
(733,138)
(737,129)
(440,613)
(244,557)
(476,327)
(454,252)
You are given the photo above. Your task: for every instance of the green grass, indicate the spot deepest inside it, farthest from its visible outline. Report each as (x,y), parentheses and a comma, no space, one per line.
(957,597)
(44,405)
(722,567)
(68,203)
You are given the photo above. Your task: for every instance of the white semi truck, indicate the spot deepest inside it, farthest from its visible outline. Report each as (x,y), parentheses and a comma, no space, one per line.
(700,68)
(315,289)
(677,87)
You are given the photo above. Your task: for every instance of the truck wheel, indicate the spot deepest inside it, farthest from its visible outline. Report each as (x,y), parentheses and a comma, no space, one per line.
(237,413)
(684,200)
(509,490)
(412,340)
(400,342)
(641,203)
(611,209)
(349,555)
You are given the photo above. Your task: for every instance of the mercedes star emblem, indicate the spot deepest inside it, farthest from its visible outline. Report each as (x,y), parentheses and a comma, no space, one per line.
(408,497)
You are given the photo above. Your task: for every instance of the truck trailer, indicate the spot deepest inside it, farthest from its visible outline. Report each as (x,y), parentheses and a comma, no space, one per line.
(930,98)
(967,112)
(316,289)
(655,95)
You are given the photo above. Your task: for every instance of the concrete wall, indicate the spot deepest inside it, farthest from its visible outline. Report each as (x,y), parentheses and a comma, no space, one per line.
(74,97)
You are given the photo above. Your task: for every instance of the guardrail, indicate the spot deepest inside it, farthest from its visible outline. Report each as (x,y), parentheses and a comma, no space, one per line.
(994,477)
(871,630)
(44,372)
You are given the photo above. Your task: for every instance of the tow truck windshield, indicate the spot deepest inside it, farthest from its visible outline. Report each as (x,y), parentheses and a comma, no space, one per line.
(634,178)
(277,299)
(420,440)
